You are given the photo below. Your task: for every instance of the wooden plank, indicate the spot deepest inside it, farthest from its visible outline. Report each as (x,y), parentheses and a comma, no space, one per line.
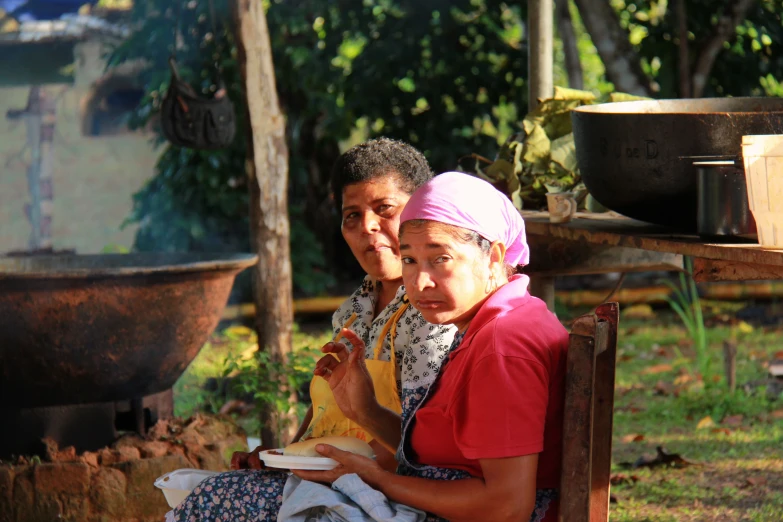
(562,257)
(719,270)
(615,230)
(578,420)
(603,410)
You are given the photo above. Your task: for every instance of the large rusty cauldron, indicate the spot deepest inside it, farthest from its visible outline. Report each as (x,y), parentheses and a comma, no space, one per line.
(99,328)
(633,155)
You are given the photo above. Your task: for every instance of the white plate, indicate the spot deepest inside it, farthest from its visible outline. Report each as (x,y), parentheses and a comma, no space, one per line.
(286,462)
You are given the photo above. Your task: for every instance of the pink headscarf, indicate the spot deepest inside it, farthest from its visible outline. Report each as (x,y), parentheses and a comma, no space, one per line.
(466,201)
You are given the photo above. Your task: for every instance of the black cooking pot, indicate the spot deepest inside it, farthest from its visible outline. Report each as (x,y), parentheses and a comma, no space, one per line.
(634,156)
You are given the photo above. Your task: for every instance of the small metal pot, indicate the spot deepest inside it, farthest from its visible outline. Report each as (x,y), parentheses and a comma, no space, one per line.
(723,208)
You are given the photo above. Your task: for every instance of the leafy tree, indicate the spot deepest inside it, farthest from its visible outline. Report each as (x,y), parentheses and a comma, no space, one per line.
(689,48)
(198,200)
(446,76)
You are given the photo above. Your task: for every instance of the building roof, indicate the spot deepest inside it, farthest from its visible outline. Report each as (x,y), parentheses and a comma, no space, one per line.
(69,27)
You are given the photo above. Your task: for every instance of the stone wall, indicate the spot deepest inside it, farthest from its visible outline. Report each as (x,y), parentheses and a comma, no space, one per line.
(114,484)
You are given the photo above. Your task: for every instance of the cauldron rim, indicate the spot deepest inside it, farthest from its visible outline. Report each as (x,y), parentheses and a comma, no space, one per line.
(85,266)
(669,107)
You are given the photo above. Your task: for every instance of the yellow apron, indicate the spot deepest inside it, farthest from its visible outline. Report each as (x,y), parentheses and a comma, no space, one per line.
(328,419)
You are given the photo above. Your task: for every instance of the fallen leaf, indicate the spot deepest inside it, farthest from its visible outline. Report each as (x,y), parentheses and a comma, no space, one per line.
(682,379)
(706,422)
(777,414)
(725,431)
(696,386)
(633,437)
(631,408)
(661,351)
(684,343)
(665,388)
(744,327)
(623,390)
(662,458)
(622,478)
(639,311)
(733,420)
(756,481)
(658,368)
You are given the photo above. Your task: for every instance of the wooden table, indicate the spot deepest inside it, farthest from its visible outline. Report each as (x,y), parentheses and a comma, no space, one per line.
(601,243)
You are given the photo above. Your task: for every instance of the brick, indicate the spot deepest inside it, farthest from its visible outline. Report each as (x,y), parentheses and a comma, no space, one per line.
(154,448)
(62,477)
(129,441)
(24,495)
(143,499)
(106,457)
(29,507)
(126,453)
(76,508)
(107,492)
(6,494)
(90,458)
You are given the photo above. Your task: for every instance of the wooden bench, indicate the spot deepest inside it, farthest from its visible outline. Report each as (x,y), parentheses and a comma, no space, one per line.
(587,425)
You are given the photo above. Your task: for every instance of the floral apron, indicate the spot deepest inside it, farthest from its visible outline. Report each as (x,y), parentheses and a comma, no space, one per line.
(412,400)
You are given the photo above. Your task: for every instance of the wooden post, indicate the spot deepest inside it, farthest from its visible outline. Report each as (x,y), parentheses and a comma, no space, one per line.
(730,364)
(540,50)
(543,287)
(540,55)
(267,170)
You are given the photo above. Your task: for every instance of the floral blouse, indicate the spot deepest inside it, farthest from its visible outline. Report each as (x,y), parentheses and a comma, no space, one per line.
(420,347)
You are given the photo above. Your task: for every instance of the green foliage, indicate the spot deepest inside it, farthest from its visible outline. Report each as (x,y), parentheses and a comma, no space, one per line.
(271,381)
(542,157)
(198,200)
(754,52)
(448,77)
(687,306)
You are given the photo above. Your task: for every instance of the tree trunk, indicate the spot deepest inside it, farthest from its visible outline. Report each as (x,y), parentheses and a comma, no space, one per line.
(267,170)
(684,68)
(622,64)
(540,60)
(723,30)
(565,27)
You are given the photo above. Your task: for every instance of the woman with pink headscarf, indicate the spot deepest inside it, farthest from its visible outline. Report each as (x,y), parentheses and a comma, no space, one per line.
(483,442)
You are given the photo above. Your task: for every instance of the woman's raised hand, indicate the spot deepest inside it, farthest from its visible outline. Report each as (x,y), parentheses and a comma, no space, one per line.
(348,377)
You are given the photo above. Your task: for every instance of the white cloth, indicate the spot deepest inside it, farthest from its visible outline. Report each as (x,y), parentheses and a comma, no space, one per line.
(349,499)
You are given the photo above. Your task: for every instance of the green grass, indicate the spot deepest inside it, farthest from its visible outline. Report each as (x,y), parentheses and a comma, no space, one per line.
(716,487)
(725,457)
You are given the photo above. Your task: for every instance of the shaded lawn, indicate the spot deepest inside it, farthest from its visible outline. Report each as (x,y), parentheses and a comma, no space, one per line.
(737,451)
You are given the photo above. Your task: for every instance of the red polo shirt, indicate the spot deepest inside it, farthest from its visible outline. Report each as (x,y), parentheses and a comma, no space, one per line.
(501,393)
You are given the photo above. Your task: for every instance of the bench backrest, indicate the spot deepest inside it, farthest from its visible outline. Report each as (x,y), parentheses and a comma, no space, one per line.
(587,424)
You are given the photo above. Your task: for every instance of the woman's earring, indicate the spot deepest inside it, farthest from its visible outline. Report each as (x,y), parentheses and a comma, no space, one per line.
(491,286)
